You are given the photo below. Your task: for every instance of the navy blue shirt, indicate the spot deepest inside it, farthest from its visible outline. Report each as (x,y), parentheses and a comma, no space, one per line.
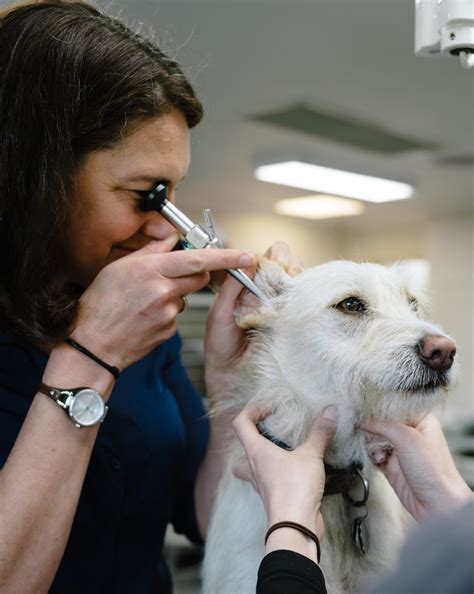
(141,473)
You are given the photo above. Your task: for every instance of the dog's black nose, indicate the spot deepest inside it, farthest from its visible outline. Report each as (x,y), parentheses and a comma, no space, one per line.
(437,351)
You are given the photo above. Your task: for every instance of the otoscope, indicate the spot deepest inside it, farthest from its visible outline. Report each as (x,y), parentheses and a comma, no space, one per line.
(195,237)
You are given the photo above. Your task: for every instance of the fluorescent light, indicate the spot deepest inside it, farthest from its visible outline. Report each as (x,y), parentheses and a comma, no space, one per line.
(333,181)
(319,207)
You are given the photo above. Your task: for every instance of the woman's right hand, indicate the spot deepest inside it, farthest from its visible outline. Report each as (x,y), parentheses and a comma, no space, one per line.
(420,469)
(132,304)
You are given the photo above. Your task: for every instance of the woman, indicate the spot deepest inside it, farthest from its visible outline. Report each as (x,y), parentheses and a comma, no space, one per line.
(420,470)
(91,116)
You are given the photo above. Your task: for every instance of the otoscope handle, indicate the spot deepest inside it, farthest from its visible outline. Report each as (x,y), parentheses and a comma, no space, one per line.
(195,237)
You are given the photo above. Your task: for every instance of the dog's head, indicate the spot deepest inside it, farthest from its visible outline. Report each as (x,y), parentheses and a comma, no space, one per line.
(352,334)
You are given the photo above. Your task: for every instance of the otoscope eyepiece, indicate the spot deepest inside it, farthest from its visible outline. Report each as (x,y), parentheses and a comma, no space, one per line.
(155,199)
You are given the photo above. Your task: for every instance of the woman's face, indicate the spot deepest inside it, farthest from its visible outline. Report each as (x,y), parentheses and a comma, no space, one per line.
(110,223)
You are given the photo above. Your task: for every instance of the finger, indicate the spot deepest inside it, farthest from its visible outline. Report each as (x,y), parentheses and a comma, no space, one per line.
(256,412)
(217,280)
(396,433)
(322,431)
(379,456)
(219,277)
(228,294)
(429,424)
(394,473)
(245,427)
(162,246)
(177,287)
(185,263)
(232,294)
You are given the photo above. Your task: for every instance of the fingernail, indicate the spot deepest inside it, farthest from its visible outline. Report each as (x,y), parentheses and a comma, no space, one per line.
(246,260)
(330,412)
(378,457)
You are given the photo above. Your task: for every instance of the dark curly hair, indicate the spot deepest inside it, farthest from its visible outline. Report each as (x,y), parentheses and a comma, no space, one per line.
(72,80)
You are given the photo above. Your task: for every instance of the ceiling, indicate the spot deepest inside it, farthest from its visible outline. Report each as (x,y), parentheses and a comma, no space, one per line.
(352,57)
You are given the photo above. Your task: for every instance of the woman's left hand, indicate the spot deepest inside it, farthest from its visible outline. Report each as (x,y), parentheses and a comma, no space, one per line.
(226,343)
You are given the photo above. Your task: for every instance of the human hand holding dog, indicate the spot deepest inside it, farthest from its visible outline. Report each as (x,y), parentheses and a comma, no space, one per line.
(420,469)
(290,483)
(226,343)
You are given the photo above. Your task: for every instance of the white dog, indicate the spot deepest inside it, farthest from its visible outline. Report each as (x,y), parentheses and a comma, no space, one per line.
(351,334)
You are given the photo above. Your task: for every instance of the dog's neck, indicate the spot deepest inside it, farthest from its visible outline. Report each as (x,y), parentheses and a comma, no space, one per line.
(289,428)
(339,479)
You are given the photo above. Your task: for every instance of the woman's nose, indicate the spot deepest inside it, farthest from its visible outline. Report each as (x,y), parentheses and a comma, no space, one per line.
(157,227)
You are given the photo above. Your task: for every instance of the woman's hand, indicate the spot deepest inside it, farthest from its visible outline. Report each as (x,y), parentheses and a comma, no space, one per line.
(290,483)
(226,343)
(420,469)
(132,304)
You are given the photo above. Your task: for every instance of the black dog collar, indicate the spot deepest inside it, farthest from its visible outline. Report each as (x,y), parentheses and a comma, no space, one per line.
(338,480)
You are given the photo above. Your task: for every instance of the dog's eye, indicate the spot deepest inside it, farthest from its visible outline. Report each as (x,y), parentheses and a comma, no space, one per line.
(351,305)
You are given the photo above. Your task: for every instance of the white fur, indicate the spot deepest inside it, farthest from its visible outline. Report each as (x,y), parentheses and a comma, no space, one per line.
(304,354)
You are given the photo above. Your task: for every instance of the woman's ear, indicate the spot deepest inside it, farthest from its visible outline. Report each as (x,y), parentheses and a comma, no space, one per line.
(273,281)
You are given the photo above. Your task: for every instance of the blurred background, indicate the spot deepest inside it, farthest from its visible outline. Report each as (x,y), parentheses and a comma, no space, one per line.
(334,83)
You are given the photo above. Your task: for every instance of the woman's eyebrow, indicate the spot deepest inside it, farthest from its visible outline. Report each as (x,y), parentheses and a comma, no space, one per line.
(150,179)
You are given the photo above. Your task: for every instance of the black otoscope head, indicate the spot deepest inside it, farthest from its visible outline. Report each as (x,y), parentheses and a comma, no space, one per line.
(155,199)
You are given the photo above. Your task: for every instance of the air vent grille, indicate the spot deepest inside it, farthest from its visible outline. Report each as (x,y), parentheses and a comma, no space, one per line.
(341,128)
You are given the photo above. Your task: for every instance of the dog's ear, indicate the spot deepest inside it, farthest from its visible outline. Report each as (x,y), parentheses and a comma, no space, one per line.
(414,275)
(273,281)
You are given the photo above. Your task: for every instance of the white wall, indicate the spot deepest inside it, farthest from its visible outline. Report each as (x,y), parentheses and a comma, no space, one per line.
(311,244)
(383,246)
(450,251)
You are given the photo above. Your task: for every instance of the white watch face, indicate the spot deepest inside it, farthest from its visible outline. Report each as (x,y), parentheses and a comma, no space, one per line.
(87,408)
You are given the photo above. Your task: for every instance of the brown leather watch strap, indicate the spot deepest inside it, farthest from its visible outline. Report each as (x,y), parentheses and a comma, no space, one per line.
(59,395)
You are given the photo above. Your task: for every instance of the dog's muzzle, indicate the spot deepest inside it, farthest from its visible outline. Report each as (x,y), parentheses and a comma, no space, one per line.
(426,367)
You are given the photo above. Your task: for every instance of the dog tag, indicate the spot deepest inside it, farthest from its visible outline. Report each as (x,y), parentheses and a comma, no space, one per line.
(357,538)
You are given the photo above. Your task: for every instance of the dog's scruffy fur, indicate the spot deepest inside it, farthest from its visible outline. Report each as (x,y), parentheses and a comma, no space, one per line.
(309,348)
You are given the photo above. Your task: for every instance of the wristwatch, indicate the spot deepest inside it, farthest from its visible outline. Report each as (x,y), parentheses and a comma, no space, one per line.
(84,406)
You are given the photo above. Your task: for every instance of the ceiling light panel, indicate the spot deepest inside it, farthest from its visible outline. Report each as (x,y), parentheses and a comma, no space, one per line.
(319,207)
(334,181)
